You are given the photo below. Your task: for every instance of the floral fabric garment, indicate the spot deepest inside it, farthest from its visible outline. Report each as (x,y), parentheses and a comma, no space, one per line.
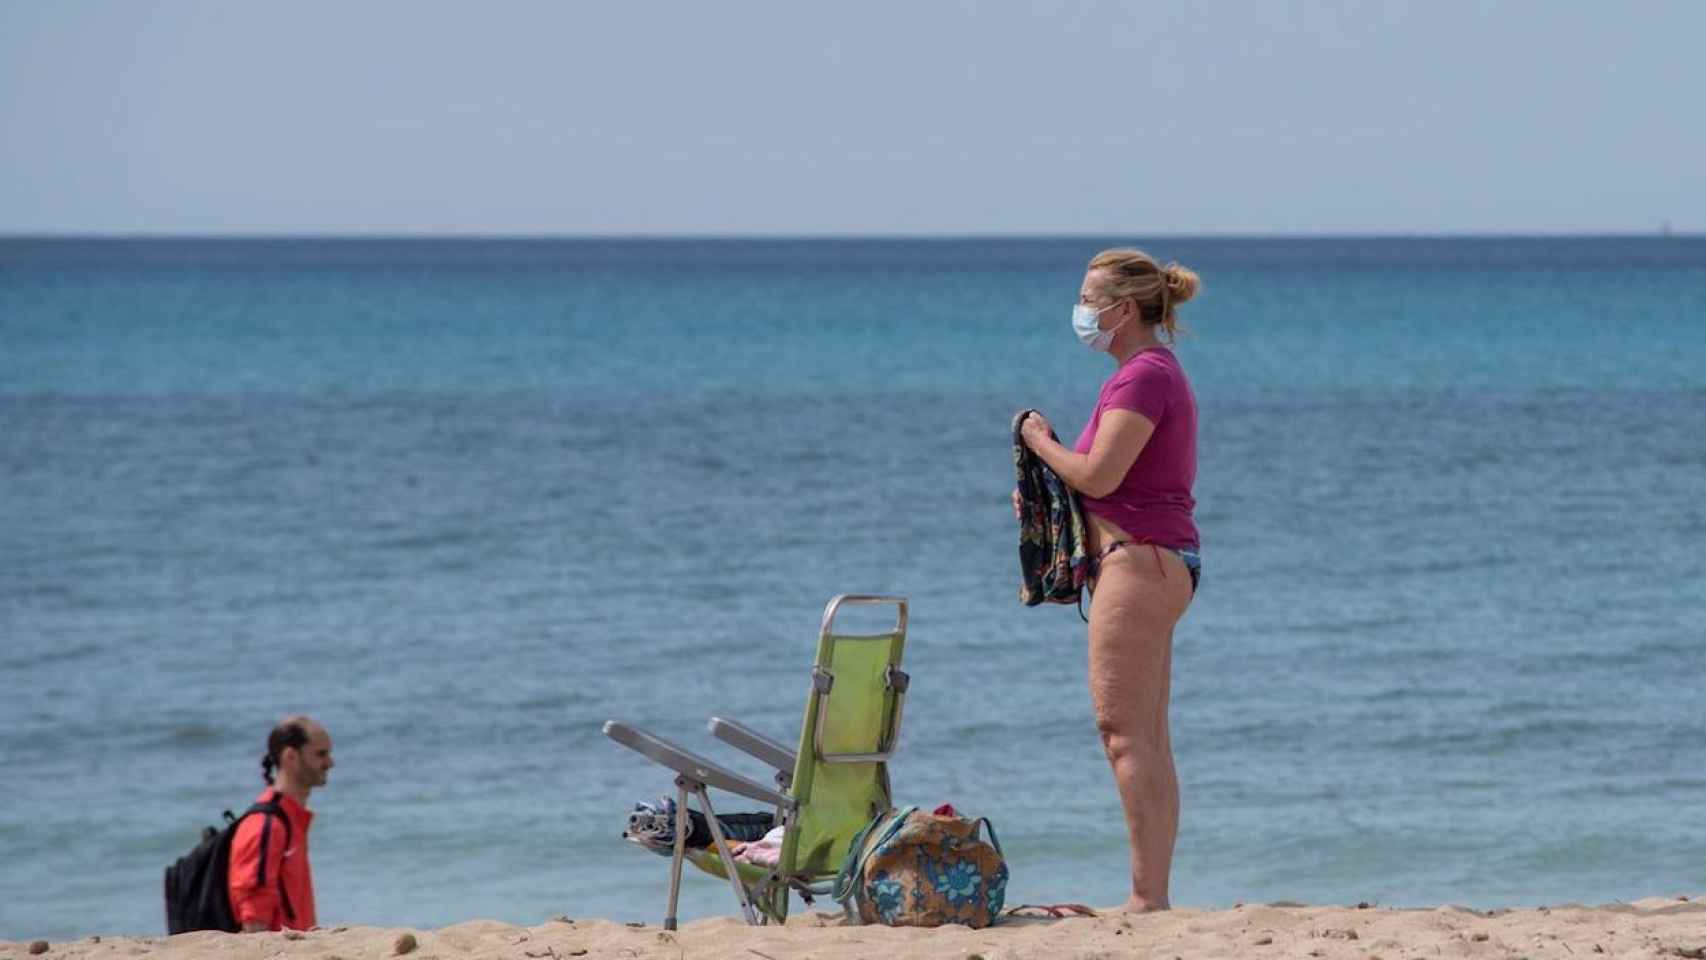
(1052,562)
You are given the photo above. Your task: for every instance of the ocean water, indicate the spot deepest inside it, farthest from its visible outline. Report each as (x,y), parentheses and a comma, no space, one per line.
(465,500)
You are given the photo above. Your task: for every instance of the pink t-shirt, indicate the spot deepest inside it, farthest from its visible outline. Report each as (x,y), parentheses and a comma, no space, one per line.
(1153,503)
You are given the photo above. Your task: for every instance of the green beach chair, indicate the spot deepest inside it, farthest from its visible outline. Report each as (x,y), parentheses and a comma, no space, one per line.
(825,790)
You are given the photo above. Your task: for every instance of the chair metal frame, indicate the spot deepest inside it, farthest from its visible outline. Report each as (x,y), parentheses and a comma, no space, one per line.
(695,775)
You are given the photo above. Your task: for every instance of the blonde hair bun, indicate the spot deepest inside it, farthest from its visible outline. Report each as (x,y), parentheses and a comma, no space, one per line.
(1182,283)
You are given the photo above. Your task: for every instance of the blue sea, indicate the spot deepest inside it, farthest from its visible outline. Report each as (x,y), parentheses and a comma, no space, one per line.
(465,500)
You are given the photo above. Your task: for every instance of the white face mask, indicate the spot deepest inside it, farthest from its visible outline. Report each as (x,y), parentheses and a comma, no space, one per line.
(1084,323)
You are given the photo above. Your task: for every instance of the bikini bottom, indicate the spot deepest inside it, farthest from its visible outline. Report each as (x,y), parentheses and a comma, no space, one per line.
(1192,559)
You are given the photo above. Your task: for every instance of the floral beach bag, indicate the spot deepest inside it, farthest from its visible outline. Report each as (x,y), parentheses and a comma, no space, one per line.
(909,868)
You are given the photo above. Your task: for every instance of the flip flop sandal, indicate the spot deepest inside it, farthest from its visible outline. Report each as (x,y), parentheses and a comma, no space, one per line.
(1058,911)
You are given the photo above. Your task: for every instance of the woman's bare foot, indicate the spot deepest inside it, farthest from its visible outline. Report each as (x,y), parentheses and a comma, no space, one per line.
(1140,905)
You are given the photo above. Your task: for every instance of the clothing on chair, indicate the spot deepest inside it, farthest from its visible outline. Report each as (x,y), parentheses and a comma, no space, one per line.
(652,825)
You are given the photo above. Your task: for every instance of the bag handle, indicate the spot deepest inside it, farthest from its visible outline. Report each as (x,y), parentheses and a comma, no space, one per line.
(983,823)
(859,851)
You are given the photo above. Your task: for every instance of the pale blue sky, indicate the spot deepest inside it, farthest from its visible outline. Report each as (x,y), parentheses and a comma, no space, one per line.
(876,116)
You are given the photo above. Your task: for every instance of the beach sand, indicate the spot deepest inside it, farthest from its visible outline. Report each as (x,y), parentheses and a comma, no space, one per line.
(1653,928)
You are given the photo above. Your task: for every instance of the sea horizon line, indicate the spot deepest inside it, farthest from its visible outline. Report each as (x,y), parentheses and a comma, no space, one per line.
(850,237)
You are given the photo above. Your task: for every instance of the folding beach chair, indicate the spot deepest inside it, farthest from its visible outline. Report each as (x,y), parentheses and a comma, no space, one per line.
(834,783)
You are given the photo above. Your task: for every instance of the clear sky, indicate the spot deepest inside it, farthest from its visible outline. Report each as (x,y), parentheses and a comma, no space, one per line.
(862,117)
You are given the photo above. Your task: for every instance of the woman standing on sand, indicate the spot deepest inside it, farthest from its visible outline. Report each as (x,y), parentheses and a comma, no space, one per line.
(1133,467)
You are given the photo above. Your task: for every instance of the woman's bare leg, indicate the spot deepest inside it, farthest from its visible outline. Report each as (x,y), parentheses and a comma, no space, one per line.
(1141,594)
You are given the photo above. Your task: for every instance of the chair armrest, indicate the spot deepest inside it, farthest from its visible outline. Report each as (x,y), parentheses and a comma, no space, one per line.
(750,741)
(692,766)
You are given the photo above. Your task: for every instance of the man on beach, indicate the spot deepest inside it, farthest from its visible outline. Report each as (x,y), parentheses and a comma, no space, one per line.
(271,884)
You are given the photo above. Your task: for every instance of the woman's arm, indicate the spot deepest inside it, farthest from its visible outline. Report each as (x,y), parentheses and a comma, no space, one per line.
(1120,437)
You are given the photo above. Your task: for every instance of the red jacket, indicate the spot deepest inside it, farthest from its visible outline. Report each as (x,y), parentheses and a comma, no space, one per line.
(270,883)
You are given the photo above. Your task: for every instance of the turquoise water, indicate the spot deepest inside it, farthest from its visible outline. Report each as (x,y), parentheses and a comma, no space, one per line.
(463,501)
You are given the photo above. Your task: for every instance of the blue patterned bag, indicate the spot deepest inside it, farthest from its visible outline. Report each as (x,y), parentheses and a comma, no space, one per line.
(909,868)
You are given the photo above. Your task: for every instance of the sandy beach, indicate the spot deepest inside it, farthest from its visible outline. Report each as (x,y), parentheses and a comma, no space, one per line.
(1650,928)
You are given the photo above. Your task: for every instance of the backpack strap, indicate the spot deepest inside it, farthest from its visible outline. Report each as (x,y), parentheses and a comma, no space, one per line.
(271,807)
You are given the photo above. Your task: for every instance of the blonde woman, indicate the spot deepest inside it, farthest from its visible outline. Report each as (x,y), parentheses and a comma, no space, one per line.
(1134,467)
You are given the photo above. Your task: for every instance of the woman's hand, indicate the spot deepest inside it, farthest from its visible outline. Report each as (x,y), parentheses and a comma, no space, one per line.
(1034,429)
(1018,506)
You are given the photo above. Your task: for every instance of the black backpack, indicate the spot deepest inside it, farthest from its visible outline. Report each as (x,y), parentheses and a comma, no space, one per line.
(198,896)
